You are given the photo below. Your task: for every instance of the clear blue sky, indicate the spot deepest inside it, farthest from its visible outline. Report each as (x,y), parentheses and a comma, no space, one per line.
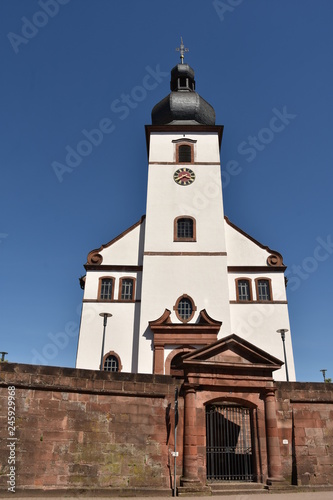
(252,60)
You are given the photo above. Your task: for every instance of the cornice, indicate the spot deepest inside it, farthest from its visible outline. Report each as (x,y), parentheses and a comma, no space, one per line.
(187,254)
(256,269)
(119,268)
(190,128)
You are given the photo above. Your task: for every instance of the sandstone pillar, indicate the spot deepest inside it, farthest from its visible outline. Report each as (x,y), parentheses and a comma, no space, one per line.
(273,444)
(190,459)
(159,360)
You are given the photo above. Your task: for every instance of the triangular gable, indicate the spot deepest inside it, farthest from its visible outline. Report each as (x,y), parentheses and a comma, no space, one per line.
(99,255)
(232,352)
(239,243)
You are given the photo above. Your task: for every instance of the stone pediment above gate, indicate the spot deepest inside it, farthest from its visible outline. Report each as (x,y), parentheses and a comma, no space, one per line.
(231,354)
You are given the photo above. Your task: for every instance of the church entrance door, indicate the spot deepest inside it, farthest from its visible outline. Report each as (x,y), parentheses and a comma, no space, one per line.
(229,454)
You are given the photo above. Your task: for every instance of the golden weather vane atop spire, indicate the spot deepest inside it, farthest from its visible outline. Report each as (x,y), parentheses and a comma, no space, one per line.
(182,50)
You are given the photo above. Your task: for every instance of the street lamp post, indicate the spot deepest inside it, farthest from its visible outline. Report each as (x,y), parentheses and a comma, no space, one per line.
(105,320)
(324,373)
(283,331)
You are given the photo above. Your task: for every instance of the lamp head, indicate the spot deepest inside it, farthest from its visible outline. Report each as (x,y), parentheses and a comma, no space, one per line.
(105,316)
(282,331)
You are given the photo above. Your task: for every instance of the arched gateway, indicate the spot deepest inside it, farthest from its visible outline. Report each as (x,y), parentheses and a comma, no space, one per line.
(229,442)
(230,427)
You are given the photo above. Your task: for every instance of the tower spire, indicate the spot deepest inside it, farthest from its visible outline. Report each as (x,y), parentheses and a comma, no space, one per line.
(182,50)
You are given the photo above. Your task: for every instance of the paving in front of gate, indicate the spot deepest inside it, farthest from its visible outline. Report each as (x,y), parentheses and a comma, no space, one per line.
(295,495)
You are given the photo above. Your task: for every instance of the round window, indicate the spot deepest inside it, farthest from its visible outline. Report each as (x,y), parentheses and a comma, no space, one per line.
(185,308)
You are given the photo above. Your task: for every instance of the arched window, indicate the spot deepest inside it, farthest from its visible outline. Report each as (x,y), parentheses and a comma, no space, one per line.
(126,289)
(243,290)
(184,229)
(264,291)
(106,288)
(111,362)
(184,153)
(184,308)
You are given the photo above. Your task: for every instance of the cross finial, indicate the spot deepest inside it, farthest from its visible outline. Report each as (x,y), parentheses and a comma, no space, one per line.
(182,50)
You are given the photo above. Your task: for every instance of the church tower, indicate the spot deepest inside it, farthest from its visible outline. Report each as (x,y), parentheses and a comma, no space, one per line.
(184,276)
(185,257)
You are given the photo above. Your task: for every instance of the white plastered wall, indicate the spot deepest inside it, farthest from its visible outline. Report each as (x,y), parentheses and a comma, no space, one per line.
(127,250)
(120,335)
(202,276)
(258,322)
(122,329)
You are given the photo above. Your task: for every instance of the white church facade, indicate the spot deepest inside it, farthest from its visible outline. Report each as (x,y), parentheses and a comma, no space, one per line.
(183,277)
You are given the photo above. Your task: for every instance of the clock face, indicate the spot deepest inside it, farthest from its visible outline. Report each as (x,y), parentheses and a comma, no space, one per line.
(184,176)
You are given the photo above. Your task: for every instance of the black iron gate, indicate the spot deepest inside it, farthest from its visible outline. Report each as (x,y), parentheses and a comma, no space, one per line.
(229,443)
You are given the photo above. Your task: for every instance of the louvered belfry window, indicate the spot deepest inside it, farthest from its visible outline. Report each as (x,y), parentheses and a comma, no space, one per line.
(185,154)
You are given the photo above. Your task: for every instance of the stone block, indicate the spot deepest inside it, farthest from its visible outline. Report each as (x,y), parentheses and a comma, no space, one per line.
(98,385)
(299,432)
(314,432)
(317,451)
(136,387)
(302,451)
(326,460)
(96,407)
(329,423)
(64,381)
(152,388)
(49,404)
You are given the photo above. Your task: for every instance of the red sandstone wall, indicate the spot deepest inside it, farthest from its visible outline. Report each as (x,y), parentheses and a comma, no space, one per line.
(80,429)
(305,419)
(87,429)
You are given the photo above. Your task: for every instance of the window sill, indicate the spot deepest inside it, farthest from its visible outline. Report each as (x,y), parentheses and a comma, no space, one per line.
(113,301)
(258,302)
(187,240)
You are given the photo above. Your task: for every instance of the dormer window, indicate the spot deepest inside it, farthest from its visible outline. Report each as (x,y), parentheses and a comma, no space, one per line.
(183,82)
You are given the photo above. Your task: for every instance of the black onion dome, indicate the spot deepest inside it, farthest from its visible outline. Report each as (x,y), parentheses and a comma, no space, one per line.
(183,105)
